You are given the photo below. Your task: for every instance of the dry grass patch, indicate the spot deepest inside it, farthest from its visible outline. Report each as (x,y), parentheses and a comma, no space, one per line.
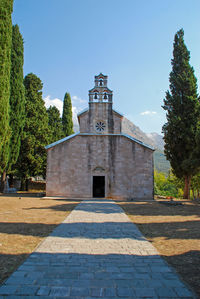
(174,229)
(24,223)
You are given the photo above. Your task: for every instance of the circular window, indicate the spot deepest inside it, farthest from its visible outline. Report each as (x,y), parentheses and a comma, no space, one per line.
(100,126)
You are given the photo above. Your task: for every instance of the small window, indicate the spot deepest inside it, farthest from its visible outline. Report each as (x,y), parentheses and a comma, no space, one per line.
(100,126)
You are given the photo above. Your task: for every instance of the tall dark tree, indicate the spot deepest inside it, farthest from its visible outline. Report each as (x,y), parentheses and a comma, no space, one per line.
(182,107)
(67,115)
(55,124)
(6,7)
(32,158)
(17,96)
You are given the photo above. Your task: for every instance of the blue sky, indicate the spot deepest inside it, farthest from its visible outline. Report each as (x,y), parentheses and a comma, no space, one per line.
(68,42)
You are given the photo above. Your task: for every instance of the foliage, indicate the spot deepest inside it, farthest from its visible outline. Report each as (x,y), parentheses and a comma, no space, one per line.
(32,159)
(17,95)
(55,124)
(6,7)
(195,186)
(182,107)
(67,115)
(165,186)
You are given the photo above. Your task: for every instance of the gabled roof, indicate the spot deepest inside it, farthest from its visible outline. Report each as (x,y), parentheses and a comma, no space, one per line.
(86,110)
(95,89)
(82,112)
(60,141)
(138,141)
(92,134)
(101,76)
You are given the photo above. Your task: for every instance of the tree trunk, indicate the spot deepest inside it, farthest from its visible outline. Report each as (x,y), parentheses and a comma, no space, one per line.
(22,188)
(186,194)
(27,184)
(193,193)
(11,181)
(3,181)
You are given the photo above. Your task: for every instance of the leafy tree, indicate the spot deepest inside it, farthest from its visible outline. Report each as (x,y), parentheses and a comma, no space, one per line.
(32,158)
(55,124)
(17,96)
(195,186)
(67,115)
(182,107)
(6,7)
(165,186)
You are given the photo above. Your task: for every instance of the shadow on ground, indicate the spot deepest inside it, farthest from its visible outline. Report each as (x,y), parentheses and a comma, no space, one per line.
(82,275)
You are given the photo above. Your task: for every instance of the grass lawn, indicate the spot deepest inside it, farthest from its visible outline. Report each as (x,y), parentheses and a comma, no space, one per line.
(174,229)
(24,222)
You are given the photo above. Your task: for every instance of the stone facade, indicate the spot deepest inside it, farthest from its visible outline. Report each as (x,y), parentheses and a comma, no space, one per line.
(100,161)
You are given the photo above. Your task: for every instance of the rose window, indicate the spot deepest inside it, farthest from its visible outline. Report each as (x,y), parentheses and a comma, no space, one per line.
(100,126)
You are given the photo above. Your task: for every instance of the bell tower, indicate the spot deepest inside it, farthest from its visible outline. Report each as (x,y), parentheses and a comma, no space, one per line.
(100,107)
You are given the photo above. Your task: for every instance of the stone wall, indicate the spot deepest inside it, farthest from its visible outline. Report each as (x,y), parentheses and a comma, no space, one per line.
(126,165)
(97,112)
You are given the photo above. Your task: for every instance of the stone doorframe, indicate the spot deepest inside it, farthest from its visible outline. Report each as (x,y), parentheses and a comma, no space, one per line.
(99,171)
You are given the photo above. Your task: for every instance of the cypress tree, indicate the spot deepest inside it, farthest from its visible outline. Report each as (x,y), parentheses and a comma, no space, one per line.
(182,107)
(55,124)
(5,64)
(67,115)
(17,95)
(32,158)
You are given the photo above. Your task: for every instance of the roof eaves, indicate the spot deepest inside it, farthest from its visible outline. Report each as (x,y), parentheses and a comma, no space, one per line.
(83,111)
(138,141)
(60,141)
(118,112)
(121,134)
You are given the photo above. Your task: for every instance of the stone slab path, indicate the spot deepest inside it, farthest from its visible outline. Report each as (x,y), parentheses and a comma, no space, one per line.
(97,252)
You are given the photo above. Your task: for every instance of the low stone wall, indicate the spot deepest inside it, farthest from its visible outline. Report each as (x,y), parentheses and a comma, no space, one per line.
(36,186)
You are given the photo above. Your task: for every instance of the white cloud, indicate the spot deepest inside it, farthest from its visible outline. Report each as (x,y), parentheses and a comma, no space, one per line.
(78,105)
(148,112)
(75,111)
(78,100)
(54,102)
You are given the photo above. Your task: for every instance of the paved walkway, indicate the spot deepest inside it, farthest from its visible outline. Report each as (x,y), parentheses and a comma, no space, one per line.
(97,252)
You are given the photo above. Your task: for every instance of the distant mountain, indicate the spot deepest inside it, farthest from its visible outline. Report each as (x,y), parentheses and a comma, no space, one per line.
(157,140)
(153,139)
(129,128)
(160,162)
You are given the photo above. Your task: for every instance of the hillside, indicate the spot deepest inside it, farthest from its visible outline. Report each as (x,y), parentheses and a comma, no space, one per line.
(160,162)
(129,128)
(153,139)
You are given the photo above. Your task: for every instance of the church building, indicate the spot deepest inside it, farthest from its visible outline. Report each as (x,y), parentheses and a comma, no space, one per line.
(100,160)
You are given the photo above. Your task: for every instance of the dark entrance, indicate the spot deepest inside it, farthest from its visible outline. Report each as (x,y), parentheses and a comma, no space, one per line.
(98,186)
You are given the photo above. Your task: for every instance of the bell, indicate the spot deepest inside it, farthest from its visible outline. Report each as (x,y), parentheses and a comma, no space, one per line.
(105,96)
(95,96)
